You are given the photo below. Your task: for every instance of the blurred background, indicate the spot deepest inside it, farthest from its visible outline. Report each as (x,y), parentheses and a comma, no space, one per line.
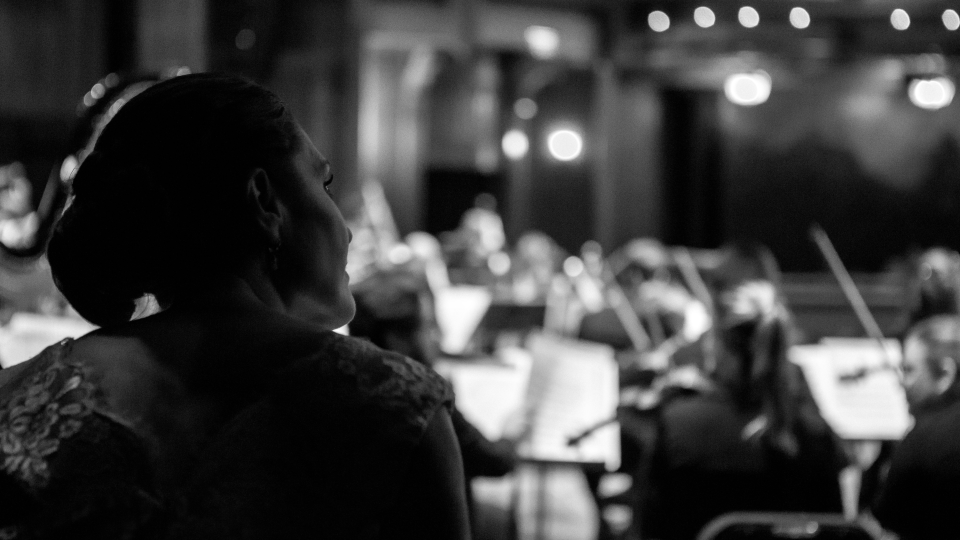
(443,100)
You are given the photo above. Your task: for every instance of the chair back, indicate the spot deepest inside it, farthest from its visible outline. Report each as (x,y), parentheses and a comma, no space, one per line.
(783,526)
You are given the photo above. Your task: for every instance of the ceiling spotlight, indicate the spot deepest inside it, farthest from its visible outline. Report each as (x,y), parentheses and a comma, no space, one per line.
(565,144)
(748,89)
(704,17)
(951,19)
(900,19)
(748,17)
(542,41)
(931,93)
(799,18)
(658,21)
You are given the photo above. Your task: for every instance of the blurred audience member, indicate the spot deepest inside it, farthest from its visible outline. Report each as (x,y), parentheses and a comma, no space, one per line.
(921,494)
(753,443)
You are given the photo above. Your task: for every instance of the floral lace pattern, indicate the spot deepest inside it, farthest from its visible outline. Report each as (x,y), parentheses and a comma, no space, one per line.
(40,414)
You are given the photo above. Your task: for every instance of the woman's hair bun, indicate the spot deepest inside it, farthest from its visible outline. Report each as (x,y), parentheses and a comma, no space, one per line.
(111,246)
(158,204)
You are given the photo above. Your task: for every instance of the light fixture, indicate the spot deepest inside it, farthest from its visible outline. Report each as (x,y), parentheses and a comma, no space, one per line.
(565,144)
(748,89)
(542,41)
(799,18)
(931,93)
(951,20)
(515,144)
(658,21)
(899,19)
(748,17)
(704,17)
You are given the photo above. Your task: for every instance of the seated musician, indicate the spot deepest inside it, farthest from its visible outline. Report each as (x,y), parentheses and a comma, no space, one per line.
(753,443)
(937,283)
(922,490)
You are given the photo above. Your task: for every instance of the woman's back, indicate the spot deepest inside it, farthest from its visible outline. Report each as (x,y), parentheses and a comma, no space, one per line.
(704,467)
(244,427)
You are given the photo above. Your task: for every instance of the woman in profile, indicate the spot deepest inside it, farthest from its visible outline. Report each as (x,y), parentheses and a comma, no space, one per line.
(235,411)
(756,442)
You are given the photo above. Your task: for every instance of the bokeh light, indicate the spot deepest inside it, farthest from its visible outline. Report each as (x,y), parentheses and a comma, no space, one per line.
(245,39)
(658,21)
(573,266)
(748,17)
(951,20)
(748,89)
(931,94)
(515,144)
(525,108)
(704,17)
(900,19)
(542,41)
(799,18)
(565,144)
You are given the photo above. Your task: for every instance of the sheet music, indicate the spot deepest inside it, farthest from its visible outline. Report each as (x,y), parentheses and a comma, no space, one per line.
(29,333)
(871,406)
(459,310)
(573,386)
(490,393)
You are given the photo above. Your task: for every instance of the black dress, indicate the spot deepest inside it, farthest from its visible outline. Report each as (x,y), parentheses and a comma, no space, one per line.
(321,454)
(703,467)
(921,495)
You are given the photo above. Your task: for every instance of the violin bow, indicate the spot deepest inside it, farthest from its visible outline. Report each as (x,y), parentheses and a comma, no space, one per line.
(853,296)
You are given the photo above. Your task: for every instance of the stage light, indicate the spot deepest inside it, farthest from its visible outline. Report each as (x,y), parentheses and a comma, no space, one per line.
(565,144)
(899,19)
(525,108)
(515,144)
(951,19)
(542,41)
(704,17)
(748,89)
(658,21)
(799,18)
(931,93)
(748,17)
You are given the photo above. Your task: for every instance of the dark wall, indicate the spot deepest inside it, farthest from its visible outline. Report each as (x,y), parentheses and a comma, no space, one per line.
(849,151)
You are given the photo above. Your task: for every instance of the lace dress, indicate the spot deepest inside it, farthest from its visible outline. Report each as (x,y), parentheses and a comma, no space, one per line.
(321,454)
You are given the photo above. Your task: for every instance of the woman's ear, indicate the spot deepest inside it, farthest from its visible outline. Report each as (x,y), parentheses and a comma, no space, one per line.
(264,206)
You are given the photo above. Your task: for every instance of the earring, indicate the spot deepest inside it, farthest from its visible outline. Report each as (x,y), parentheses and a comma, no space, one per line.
(273,259)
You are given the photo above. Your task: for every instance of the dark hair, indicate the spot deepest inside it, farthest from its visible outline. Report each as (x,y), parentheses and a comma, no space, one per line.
(940,334)
(157,207)
(755,330)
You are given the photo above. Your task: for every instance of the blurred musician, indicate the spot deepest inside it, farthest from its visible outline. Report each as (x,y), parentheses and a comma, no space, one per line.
(922,490)
(536,260)
(480,235)
(937,282)
(752,443)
